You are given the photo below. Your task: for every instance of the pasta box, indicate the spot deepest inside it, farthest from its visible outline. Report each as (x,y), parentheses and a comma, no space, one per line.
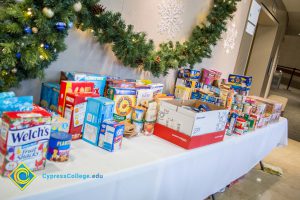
(75,108)
(24,138)
(47,93)
(97,110)
(125,100)
(71,87)
(188,128)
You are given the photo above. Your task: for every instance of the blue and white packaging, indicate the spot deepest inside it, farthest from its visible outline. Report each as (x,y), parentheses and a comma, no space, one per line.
(111,135)
(24,103)
(98,80)
(49,95)
(4,95)
(97,110)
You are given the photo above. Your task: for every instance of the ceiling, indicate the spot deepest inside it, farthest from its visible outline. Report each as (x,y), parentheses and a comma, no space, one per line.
(293,8)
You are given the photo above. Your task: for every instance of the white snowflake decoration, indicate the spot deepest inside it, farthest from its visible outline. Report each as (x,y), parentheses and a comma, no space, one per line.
(230,37)
(171,17)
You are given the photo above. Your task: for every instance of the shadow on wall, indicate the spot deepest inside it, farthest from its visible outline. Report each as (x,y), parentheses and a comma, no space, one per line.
(86,55)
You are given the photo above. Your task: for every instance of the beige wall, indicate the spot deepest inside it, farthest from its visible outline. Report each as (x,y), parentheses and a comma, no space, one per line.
(289,52)
(85,54)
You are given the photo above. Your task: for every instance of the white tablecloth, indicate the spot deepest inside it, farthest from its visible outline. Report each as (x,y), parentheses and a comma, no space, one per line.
(151,168)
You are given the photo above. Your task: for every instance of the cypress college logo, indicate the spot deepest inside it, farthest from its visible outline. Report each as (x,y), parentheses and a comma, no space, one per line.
(22,176)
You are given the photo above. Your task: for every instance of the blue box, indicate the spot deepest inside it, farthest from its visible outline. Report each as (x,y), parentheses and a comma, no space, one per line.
(97,110)
(49,96)
(111,135)
(4,95)
(240,80)
(98,80)
(24,103)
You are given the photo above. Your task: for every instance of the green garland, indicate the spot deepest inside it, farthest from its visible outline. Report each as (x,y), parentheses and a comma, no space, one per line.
(31,37)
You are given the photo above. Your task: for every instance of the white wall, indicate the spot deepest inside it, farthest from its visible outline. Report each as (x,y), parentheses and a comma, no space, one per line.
(289,52)
(85,54)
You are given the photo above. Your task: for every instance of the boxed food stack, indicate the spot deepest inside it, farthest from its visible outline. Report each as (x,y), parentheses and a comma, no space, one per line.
(75,108)
(24,138)
(190,123)
(71,87)
(49,96)
(97,110)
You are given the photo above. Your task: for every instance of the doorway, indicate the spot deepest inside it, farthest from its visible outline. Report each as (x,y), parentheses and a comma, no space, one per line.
(260,61)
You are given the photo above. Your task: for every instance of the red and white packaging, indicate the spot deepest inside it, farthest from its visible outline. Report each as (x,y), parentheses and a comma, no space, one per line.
(75,108)
(187,128)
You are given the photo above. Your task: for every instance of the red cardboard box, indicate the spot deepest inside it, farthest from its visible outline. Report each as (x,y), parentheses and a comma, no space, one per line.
(186,141)
(72,87)
(75,108)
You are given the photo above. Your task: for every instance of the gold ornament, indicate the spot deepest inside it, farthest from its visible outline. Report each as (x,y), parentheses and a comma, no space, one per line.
(48,12)
(35,29)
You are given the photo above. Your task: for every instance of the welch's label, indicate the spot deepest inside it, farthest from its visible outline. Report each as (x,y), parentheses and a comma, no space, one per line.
(28,135)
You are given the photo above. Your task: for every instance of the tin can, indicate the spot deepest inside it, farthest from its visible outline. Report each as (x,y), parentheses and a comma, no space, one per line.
(251,124)
(241,123)
(148,128)
(239,131)
(232,121)
(138,113)
(139,125)
(247,108)
(59,146)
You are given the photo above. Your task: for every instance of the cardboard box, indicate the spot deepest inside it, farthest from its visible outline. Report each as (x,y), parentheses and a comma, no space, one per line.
(157,88)
(60,124)
(75,108)
(171,114)
(143,96)
(71,87)
(186,141)
(97,110)
(24,138)
(125,100)
(182,92)
(98,80)
(49,95)
(111,135)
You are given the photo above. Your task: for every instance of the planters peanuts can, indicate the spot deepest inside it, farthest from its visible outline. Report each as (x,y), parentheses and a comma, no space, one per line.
(59,146)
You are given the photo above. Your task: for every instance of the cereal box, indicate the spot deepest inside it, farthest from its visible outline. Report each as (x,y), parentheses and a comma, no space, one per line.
(97,110)
(98,80)
(54,99)
(182,92)
(72,87)
(24,103)
(157,88)
(75,108)
(47,93)
(125,100)
(111,135)
(24,138)
(240,80)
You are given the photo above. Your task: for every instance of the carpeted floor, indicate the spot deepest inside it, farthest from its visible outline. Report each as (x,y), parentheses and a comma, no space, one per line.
(292,110)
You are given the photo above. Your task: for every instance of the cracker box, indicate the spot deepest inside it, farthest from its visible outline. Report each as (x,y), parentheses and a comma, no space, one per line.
(47,93)
(98,80)
(71,87)
(125,100)
(75,108)
(97,110)
(24,138)
(24,103)
(111,135)
(182,92)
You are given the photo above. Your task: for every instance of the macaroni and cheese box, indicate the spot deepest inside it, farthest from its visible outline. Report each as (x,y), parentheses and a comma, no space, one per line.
(75,108)
(98,80)
(125,100)
(24,138)
(111,135)
(71,87)
(59,124)
(97,110)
